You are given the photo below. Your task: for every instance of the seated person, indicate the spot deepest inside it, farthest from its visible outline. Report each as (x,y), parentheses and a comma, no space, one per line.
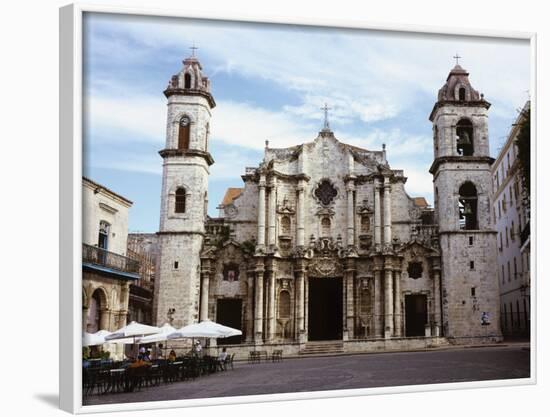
(172,356)
(222,357)
(139,363)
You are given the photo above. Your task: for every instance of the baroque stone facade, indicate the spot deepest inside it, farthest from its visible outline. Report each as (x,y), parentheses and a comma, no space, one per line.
(323,242)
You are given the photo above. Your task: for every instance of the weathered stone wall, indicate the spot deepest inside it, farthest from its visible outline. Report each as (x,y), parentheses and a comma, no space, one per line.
(469,267)
(461,309)
(198,110)
(178,286)
(177,283)
(446,120)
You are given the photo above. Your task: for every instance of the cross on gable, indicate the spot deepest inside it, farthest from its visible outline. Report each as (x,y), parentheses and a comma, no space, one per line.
(326,108)
(193,49)
(457,57)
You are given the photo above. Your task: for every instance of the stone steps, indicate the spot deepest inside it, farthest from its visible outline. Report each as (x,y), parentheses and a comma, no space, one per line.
(322,348)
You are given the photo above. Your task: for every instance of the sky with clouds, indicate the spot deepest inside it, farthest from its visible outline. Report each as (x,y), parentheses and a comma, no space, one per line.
(269,82)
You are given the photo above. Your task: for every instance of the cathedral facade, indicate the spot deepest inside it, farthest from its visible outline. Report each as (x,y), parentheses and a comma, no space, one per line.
(322,242)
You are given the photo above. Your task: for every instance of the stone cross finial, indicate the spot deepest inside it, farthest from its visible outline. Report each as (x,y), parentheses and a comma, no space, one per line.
(457,57)
(326,108)
(193,48)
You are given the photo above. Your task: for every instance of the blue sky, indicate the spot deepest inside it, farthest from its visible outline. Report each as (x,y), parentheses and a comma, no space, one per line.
(269,82)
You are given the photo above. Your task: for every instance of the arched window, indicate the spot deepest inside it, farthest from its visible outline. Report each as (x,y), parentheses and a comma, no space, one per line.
(465,138)
(285,226)
(184,133)
(93,320)
(462,94)
(467,206)
(284,305)
(103,238)
(325,226)
(180,201)
(187,80)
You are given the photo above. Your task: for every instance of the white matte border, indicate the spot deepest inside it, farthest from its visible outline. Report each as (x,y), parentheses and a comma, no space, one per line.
(70,153)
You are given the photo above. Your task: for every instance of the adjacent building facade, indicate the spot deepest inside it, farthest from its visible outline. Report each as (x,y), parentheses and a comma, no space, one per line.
(322,242)
(512,223)
(143,248)
(107,273)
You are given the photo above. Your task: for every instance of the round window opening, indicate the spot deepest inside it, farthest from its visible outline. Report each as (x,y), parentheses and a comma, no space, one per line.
(184,121)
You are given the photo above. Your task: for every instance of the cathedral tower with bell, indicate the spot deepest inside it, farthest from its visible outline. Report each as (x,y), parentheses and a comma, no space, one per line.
(186,162)
(462,194)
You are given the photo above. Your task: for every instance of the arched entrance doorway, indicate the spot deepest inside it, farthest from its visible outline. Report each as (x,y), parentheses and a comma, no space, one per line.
(95,310)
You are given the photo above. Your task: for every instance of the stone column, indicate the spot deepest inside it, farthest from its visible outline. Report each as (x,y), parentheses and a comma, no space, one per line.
(249,309)
(205,284)
(437,302)
(271,213)
(300,228)
(378,318)
(377,215)
(388,304)
(398,314)
(259,313)
(387,211)
(261,211)
(306,302)
(84,318)
(104,319)
(271,306)
(299,300)
(349,311)
(350,188)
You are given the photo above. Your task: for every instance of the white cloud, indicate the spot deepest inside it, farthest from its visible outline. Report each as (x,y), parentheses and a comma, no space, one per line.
(249,126)
(127,118)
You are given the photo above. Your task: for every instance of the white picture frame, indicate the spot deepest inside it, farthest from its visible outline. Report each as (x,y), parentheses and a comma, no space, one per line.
(71,18)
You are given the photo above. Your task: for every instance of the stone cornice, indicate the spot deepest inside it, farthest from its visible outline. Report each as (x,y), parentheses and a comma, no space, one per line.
(180,232)
(188,152)
(460,159)
(190,92)
(441,103)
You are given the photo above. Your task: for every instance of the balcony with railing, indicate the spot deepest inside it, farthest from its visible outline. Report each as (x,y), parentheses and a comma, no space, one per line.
(427,233)
(101,260)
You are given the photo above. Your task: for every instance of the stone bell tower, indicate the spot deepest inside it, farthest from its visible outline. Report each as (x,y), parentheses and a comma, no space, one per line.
(462,193)
(186,163)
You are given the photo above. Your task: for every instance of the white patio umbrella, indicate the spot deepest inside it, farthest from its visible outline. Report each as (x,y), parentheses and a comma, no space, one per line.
(133,330)
(94,339)
(206,328)
(165,330)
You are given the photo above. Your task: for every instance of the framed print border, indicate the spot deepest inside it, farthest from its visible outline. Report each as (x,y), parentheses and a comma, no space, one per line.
(70,152)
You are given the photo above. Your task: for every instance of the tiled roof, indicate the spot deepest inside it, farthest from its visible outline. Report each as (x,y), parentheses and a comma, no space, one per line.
(231,194)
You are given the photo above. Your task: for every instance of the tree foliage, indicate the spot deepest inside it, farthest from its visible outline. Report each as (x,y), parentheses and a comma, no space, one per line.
(523,142)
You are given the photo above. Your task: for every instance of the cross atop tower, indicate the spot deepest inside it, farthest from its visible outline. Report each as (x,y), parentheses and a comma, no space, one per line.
(457,57)
(193,48)
(326,108)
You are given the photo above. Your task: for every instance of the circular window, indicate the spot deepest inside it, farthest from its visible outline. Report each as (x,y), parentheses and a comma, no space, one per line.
(184,121)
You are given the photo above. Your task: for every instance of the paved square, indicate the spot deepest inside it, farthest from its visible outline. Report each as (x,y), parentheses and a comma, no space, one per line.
(342,372)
